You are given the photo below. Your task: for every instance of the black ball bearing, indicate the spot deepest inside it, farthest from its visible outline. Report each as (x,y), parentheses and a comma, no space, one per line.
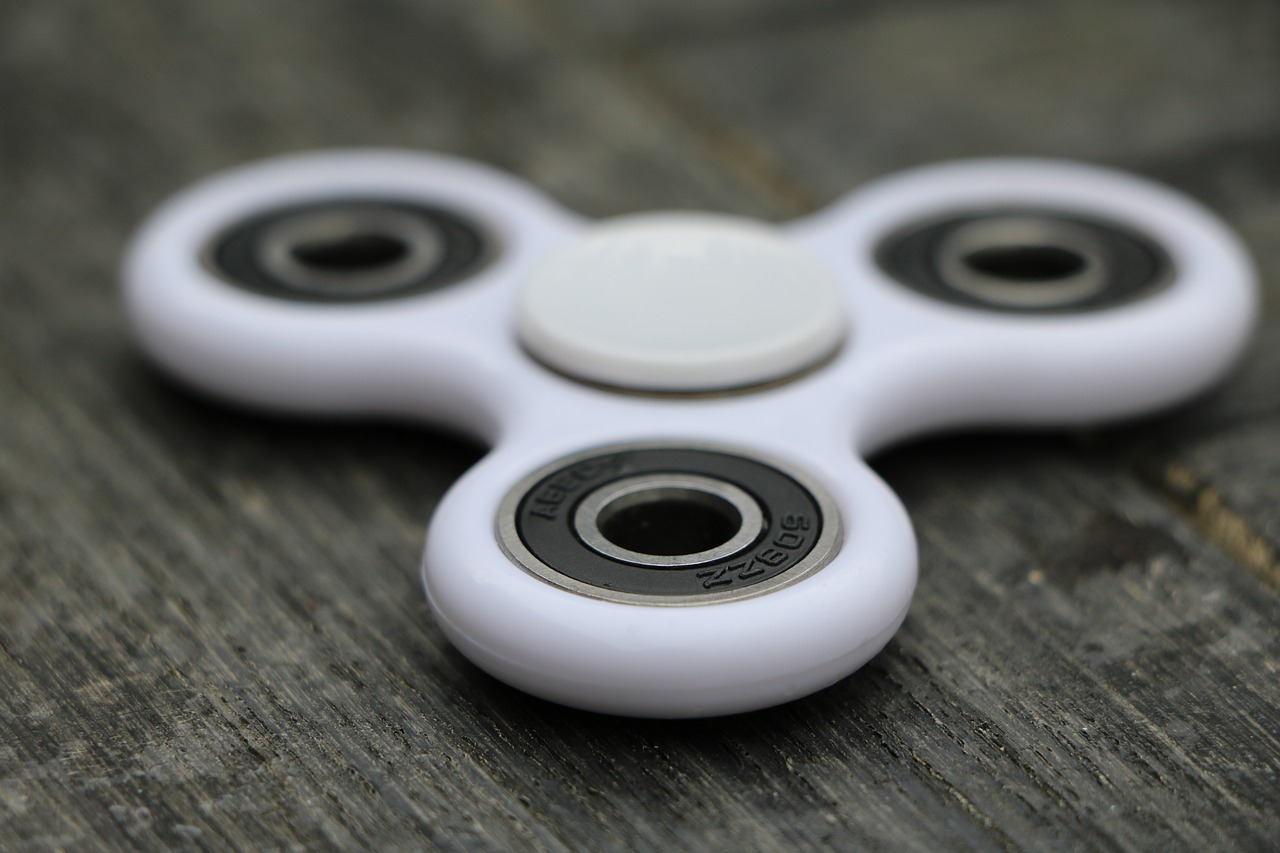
(349,249)
(668,524)
(1025,260)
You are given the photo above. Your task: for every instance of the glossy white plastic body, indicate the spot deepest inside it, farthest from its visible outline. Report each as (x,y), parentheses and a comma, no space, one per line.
(908,364)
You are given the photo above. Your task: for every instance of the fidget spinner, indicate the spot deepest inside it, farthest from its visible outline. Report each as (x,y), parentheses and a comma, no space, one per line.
(675,518)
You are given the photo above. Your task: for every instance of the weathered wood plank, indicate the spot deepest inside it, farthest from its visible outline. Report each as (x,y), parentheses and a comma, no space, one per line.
(888,86)
(211,631)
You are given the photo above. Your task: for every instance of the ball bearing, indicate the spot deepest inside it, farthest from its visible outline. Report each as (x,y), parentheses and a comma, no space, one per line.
(668,524)
(346,250)
(1026,261)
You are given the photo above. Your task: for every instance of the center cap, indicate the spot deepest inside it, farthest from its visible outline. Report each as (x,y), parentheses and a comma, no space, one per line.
(681,302)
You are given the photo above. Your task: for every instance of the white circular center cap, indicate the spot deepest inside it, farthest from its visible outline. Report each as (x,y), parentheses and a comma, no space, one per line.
(681,302)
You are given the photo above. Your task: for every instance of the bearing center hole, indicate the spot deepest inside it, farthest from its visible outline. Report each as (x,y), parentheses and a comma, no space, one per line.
(351,252)
(669,521)
(1025,262)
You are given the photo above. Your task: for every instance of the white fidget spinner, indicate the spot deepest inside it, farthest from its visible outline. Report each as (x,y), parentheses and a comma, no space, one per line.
(675,519)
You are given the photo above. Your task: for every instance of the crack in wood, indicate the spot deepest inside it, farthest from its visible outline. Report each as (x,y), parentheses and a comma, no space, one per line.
(749,156)
(1208,513)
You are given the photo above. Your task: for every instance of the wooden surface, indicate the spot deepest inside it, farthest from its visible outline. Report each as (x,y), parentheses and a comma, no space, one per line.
(211,630)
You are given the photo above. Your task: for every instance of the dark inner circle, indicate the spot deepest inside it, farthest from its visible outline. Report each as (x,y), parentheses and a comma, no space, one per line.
(1029,263)
(669,521)
(351,252)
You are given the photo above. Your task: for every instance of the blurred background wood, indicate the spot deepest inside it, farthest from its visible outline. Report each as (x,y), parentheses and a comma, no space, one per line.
(211,629)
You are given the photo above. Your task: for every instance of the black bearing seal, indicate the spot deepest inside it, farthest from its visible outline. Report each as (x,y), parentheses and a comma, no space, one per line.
(1123,264)
(798,532)
(458,249)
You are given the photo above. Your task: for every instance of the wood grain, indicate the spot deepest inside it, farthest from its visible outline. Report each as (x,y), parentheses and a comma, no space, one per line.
(211,630)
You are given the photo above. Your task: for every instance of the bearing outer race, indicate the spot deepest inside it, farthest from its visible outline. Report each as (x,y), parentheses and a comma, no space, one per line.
(1138,266)
(543,520)
(232,253)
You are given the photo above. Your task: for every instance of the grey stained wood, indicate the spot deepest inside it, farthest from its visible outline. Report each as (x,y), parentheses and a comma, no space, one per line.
(212,634)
